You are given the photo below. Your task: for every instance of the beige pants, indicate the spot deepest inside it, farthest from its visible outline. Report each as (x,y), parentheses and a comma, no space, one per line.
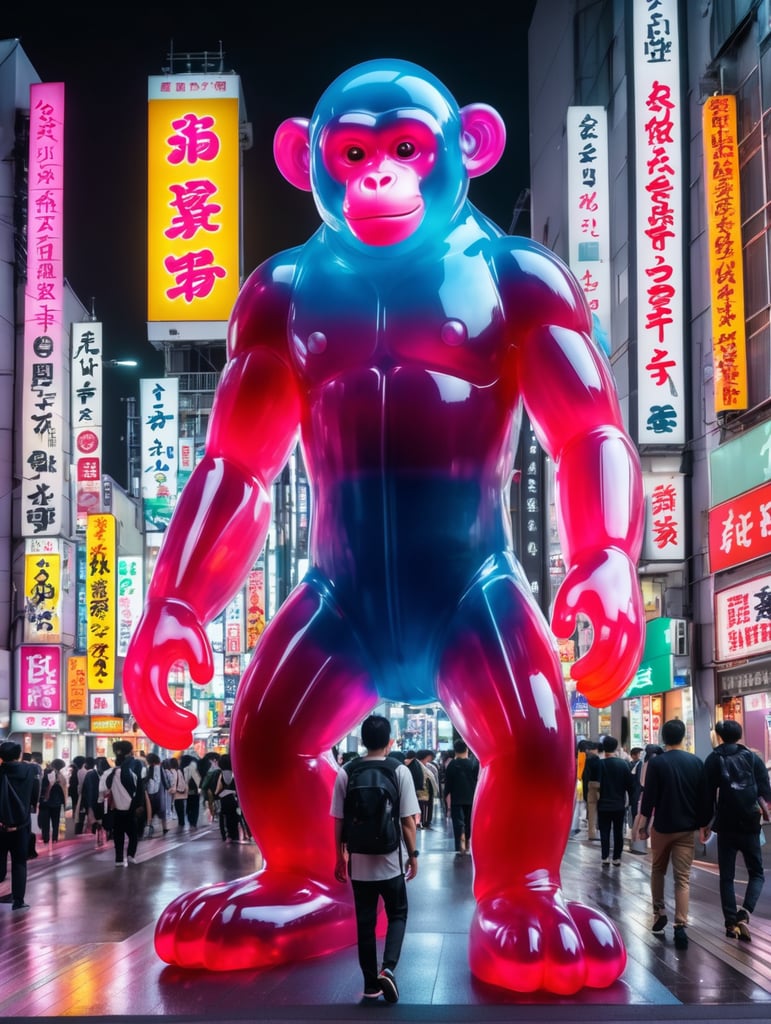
(591,810)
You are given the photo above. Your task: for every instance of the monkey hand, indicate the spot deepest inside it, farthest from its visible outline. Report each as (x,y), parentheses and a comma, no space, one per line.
(603,586)
(169,631)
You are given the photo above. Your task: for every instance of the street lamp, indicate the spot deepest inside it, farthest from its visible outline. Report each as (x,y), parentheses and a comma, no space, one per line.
(120,362)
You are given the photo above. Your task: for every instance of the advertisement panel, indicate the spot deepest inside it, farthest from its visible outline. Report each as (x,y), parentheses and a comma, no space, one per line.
(130,599)
(77,687)
(87,419)
(43,393)
(588,213)
(740,529)
(159,409)
(665,517)
(659,214)
(42,597)
(743,620)
(40,678)
(193,206)
(726,263)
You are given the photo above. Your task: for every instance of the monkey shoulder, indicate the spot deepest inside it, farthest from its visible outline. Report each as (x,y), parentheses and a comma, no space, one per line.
(261,310)
(534,278)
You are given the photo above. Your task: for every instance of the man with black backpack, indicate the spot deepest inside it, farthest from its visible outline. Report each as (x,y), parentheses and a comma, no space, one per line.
(738,784)
(374,806)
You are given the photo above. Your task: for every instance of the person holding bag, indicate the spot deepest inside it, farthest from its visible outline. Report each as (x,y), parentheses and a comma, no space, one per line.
(53,798)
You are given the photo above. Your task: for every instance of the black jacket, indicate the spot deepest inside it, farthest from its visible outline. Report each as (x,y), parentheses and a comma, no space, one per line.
(24,778)
(460,780)
(726,812)
(616,784)
(676,789)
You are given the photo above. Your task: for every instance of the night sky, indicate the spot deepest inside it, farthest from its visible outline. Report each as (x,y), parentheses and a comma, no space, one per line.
(285,59)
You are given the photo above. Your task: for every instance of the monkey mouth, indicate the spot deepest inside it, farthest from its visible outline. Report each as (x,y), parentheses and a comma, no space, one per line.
(385,216)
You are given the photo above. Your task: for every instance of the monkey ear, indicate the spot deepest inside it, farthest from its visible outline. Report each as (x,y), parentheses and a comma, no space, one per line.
(291,151)
(483,138)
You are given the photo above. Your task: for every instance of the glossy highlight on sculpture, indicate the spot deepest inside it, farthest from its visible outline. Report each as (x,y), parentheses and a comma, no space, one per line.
(401,341)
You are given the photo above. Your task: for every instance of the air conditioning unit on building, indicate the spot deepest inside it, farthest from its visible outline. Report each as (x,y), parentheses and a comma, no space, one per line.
(680,645)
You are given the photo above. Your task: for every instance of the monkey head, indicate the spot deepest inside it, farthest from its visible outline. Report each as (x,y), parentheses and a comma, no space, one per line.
(388,153)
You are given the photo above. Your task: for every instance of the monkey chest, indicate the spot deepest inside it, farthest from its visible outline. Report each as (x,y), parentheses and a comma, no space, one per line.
(446,321)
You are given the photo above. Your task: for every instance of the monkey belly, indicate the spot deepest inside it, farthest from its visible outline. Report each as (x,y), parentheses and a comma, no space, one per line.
(400,552)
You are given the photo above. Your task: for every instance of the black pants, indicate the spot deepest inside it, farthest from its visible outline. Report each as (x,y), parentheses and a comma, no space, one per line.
(461,823)
(16,844)
(748,845)
(48,819)
(393,892)
(124,827)
(608,820)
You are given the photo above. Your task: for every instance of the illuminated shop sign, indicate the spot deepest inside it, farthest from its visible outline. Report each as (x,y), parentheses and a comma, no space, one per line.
(43,396)
(193,197)
(726,276)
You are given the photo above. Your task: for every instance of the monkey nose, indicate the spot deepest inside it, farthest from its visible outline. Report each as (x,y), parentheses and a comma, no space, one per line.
(376,182)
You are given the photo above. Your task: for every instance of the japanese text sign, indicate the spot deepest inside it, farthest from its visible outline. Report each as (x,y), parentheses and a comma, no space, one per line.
(42,598)
(193,197)
(44,414)
(87,419)
(659,214)
(726,274)
(743,620)
(588,212)
(740,529)
(40,678)
(664,537)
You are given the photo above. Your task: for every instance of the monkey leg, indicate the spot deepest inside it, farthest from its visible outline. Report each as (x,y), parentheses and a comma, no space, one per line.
(305,688)
(501,685)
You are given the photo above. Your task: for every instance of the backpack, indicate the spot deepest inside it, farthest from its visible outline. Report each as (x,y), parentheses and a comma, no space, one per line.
(180,786)
(371,819)
(13,813)
(738,786)
(154,780)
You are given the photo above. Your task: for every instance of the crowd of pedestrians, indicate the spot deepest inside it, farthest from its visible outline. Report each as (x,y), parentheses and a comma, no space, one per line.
(665,799)
(661,798)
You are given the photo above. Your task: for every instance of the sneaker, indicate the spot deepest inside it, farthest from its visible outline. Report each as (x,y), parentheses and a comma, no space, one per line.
(371,999)
(605,860)
(6,899)
(617,863)
(743,925)
(659,924)
(133,860)
(681,938)
(732,931)
(388,987)
(20,905)
(121,863)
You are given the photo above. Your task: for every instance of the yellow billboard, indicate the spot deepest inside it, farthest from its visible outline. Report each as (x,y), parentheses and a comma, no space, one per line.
(726,274)
(42,597)
(193,211)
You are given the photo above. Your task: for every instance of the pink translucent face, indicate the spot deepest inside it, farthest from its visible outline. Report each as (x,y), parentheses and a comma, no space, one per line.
(382,169)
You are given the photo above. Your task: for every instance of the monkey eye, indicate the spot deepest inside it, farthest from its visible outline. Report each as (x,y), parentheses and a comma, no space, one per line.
(405,149)
(355,153)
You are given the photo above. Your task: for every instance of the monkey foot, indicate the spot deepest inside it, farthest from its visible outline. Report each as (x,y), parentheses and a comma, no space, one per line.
(535,940)
(258,921)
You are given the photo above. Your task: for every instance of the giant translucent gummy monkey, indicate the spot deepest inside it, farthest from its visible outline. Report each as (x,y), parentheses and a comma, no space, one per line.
(401,341)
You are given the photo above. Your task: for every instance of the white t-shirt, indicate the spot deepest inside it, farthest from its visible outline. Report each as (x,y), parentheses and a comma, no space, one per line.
(377,867)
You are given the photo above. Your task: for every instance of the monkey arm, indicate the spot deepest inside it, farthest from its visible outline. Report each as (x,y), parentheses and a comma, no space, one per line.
(220,522)
(223,514)
(599,497)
